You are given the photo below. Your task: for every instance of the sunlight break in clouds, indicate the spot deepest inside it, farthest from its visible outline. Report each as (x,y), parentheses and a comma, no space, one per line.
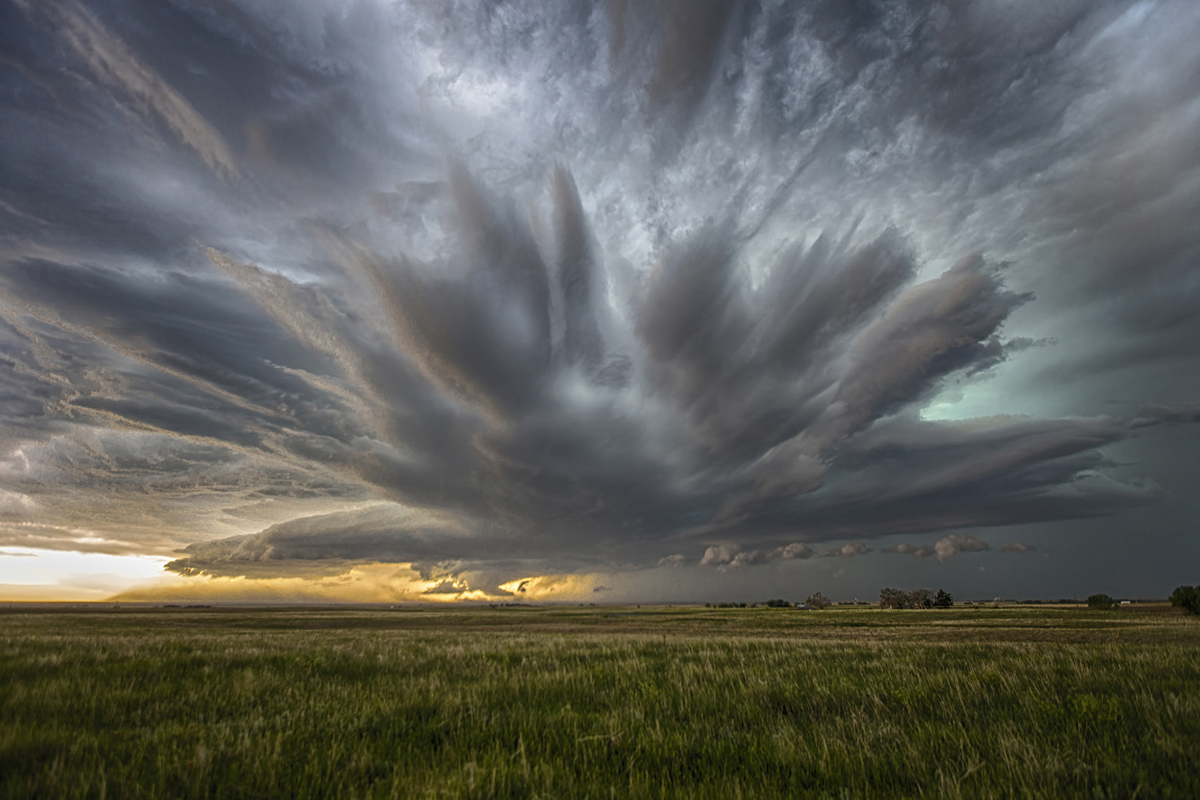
(554,295)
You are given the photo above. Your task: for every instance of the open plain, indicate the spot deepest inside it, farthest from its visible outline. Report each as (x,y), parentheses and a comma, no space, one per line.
(572,702)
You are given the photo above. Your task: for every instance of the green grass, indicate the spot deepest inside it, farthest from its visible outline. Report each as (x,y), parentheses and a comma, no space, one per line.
(599,702)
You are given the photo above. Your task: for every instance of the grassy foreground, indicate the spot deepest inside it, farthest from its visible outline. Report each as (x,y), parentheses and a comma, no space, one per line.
(598,702)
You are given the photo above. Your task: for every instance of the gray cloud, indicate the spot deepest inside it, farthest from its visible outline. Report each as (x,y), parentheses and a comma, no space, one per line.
(506,289)
(112,64)
(793,551)
(727,557)
(950,546)
(957,543)
(718,555)
(847,551)
(731,557)
(378,532)
(906,549)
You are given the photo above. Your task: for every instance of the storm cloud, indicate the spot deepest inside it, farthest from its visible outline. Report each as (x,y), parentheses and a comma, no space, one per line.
(499,289)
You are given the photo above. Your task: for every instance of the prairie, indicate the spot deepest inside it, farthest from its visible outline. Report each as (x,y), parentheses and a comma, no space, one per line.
(579,702)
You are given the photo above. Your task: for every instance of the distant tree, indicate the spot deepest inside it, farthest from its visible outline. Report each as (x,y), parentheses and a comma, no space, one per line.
(778,604)
(943,599)
(1187,598)
(1101,602)
(818,600)
(892,598)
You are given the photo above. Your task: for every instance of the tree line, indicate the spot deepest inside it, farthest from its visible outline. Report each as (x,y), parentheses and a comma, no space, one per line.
(1185,597)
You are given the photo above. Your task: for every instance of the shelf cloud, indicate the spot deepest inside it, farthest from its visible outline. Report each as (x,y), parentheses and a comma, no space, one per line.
(500,290)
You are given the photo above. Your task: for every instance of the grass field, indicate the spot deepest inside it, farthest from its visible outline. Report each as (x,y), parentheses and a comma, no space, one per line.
(598,702)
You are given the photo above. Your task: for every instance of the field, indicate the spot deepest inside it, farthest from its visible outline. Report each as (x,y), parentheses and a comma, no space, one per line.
(598,702)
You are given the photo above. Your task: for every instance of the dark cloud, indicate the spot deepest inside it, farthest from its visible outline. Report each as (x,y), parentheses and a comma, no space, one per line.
(503,290)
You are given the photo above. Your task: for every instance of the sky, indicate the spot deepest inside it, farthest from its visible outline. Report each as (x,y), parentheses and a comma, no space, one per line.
(598,302)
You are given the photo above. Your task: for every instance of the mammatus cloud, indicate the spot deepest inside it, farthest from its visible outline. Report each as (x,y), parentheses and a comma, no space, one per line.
(519,291)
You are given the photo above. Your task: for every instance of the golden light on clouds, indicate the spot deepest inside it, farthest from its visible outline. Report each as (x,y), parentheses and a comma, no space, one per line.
(556,587)
(364,583)
(30,574)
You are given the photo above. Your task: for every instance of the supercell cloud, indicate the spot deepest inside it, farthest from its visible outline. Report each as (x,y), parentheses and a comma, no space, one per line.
(504,289)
